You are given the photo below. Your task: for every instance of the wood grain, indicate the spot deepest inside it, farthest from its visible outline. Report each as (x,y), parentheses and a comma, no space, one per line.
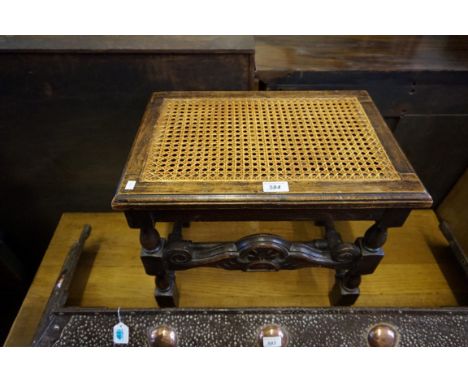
(418,270)
(127,44)
(354,53)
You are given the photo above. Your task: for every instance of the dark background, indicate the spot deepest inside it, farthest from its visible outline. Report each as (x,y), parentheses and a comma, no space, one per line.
(70,107)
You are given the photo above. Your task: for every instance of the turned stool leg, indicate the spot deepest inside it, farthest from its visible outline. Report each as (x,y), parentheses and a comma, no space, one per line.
(372,252)
(150,239)
(346,289)
(166,293)
(152,256)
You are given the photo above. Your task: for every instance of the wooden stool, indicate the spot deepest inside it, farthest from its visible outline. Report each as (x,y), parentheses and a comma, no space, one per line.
(220,156)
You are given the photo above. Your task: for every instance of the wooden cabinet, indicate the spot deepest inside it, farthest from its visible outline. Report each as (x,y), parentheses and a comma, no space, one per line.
(419,84)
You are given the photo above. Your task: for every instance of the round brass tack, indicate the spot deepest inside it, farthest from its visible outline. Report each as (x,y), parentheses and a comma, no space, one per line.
(270,334)
(383,335)
(162,336)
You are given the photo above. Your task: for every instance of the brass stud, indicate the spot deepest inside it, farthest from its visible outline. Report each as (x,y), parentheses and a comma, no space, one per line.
(383,335)
(272,335)
(162,336)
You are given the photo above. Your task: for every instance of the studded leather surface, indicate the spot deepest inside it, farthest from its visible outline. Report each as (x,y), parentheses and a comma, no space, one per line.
(305,327)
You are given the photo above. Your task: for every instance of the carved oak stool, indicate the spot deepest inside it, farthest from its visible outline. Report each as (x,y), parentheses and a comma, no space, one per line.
(220,156)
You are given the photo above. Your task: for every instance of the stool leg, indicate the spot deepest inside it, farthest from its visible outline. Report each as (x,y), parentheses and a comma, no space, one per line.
(166,293)
(166,290)
(346,291)
(149,238)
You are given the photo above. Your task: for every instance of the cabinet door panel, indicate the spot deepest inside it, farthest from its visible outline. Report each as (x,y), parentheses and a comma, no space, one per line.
(437,147)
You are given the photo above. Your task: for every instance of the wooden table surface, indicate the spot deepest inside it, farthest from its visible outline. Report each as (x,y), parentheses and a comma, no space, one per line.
(355,53)
(417,271)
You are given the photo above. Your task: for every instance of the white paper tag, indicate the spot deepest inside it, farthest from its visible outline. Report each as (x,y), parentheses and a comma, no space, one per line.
(130,185)
(275,187)
(270,342)
(121,334)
